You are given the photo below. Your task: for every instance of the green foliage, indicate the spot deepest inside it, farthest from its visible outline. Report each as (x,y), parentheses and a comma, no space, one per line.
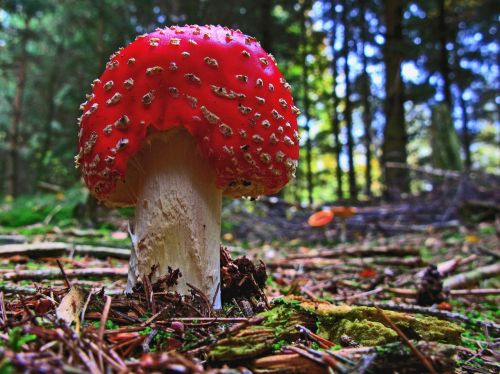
(6,367)
(110,325)
(35,209)
(279,344)
(17,338)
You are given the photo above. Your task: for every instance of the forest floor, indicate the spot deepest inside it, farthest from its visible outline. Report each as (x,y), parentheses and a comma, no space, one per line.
(400,295)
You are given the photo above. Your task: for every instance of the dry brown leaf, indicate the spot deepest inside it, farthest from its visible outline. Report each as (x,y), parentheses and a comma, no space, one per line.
(71,305)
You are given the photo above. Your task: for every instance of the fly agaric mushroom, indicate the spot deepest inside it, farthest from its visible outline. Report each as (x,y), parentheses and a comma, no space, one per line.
(321,218)
(179,118)
(343,212)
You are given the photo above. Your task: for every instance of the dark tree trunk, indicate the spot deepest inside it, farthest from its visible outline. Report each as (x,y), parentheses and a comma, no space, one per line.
(305,87)
(337,146)
(444,62)
(466,138)
(465,133)
(17,113)
(353,189)
(51,109)
(395,135)
(266,24)
(100,33)
(367,113)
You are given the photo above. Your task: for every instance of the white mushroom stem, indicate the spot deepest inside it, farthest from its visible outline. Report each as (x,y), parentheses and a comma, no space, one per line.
(177,217)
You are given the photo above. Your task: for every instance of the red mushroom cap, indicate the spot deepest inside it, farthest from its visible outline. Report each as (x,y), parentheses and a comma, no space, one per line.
(218,84)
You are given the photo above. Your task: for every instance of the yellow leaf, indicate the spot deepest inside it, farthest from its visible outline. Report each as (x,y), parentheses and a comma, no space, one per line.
(471,239)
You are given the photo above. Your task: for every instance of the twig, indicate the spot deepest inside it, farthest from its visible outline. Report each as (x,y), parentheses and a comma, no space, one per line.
(476,292)
(447,267)
(146,342)
(472,276)
(324,343)
(102,327)
(306,354)
(425,170)
(70,273)
(148,291)
(321,263)
(91,365)
(12,239)
(84,309)
(407,341)
(2,305)
(52,213)
(412,293)
(359,251)
(359,295)
(209,319)
(66,280)
(329,359)
(202,295)
(214,299)
(104,318)
(54,249)
(118,365)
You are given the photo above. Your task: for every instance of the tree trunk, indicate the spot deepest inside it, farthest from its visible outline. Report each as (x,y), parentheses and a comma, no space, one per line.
(367,113)
(99,46)
(266,24)
(395,135)
(305,88)
(335,116)
(51,108)
(466,140)
(465,133)
(444,63)
(17,113)
(353,190)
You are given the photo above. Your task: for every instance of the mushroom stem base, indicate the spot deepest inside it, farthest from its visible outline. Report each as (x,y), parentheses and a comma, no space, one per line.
(177,219)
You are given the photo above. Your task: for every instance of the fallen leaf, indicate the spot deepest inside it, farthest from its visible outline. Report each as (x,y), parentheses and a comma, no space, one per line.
(445,306)
(367,273)
(43,306)
(471,239)
(71,305)
(123,336)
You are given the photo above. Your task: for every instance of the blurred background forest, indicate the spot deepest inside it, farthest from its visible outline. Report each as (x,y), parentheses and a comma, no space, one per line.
(384,86)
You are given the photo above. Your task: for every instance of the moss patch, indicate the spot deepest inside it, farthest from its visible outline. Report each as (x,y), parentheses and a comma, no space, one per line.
(363,324)
(415,327)
(369,333)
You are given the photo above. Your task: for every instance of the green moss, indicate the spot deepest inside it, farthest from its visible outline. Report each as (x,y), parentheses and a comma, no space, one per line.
(245,344)
(420,327)
(368,333)
(434,329)
(363,324)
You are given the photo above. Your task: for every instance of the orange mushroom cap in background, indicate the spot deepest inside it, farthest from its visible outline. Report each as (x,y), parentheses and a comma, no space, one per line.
(320,218)
(343,211)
